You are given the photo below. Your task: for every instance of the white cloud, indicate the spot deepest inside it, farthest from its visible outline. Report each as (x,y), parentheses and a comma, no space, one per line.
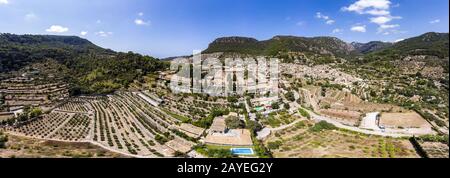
(435,21)
(377,12)
(103,34)
(337,30)
(30,17)
(141,14)
(57,29)
(384,26)
(141,22)
(361,6)
(327,19)
(358,28)
(83,33)
(4,2)
(380,20)
(320,16)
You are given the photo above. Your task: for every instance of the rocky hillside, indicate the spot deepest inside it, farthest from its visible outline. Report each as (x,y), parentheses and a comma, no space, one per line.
(92,69)
(431,43)
(432,46)
(369,47)
(17,51)
(316,45)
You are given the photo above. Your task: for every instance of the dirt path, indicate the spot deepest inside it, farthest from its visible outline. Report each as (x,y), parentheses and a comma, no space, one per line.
(287,125)
(356,129)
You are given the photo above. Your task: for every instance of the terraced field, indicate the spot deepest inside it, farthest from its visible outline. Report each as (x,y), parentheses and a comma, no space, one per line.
(300,141)
(43,127)
(123,122)
(74,105)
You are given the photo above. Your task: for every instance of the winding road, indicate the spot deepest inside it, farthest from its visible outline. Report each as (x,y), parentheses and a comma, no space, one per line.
(356,129)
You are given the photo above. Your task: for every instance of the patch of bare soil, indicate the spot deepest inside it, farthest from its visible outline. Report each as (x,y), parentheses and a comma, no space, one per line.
(24,147)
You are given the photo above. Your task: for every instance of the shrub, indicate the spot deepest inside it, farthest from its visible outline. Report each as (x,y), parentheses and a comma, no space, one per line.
(275,106)
(35,112)
(322,125)
(254,126)
(290,96)
(3,140)
(274,145)
(304,113)
(179,154)
(234,122)
(219,153)
(207,121)
(435,138)
(161,139)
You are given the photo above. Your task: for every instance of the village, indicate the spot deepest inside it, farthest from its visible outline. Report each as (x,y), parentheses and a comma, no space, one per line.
(165,120)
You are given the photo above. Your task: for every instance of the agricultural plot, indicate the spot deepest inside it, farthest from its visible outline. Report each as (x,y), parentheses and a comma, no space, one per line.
(123,122)
(194,107)
(128,123)
(25,147)
(74,105)
(76,129)
(43,127)
(278,119)
(342,100)
(334,96)
(300,141)
(435,149)
(403,120)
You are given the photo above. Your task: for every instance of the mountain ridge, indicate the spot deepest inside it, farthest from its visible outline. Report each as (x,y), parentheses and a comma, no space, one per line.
(321,45)
(325,45)
(92,69)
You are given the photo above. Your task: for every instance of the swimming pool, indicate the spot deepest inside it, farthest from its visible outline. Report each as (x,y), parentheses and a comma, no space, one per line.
(260,108)
(242,151)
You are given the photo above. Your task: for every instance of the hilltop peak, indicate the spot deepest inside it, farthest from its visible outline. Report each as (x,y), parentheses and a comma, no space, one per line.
(234,39)
(280,43)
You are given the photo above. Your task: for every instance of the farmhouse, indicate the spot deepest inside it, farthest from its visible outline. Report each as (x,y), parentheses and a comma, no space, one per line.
(219,134)
(234,137)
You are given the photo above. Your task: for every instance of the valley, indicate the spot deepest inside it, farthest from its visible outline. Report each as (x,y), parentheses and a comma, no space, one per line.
(332,99)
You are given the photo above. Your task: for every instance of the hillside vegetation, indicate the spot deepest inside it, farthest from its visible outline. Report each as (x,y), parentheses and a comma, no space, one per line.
(316,45)
(433,44)
(92,69)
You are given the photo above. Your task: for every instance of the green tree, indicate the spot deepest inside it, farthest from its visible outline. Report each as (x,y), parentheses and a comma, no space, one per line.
(3,140)
(254,126)
(290,96)
(234,122)
(322,125)
(275,105)
(35,112)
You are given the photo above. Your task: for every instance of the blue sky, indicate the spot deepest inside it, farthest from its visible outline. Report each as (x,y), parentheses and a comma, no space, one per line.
(163,28)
